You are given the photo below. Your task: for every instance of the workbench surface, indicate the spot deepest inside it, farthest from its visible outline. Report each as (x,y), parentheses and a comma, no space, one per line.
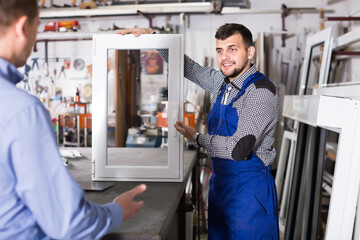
(161,199)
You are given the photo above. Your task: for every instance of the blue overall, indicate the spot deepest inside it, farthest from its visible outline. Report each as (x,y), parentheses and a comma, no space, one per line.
(242,195)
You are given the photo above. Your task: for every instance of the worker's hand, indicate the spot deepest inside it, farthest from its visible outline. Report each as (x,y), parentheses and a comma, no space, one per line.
(136,31)
(185,130)
(126,202)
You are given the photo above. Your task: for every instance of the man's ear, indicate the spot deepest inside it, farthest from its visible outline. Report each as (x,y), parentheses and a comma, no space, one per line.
(20,26)
(251,52)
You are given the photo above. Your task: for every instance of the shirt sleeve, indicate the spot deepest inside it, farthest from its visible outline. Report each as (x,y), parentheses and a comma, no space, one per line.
(46,187)
(257,116)
(206,77)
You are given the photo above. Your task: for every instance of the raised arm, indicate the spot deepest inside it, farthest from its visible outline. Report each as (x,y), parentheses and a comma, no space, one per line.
(207,78)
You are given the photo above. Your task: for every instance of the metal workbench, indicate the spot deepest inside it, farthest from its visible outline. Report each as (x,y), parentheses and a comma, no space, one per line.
(161,199)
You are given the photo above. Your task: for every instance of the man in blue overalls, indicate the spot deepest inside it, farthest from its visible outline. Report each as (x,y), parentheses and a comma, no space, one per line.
(241,124)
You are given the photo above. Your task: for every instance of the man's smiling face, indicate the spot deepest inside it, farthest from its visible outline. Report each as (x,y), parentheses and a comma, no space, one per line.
(233,57)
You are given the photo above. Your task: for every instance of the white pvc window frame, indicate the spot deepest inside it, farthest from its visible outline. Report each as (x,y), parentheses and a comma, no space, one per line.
(336,108)
(283,184)
(341,115)
(348,89)
(101,170)
(321,38)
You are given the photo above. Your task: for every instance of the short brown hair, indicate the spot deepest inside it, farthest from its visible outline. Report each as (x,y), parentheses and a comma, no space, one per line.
(12,10)
(230,29)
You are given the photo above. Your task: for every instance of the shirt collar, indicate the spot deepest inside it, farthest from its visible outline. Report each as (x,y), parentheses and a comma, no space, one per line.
(9,72)
(237,83)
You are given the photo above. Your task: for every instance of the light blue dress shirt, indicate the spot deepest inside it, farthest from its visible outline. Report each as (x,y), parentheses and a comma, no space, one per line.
(38,197)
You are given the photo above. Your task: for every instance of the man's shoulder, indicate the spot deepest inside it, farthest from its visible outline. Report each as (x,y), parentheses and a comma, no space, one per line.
(261,83)
(13,100)
(262,90)
(264,83)
(15,95)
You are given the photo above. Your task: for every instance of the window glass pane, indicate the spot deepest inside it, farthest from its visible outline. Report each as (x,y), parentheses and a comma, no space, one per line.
(137,108)
(339,70)
(314,68)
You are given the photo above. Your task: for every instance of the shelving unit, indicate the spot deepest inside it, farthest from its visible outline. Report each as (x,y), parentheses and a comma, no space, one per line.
(63,36)
(116,10)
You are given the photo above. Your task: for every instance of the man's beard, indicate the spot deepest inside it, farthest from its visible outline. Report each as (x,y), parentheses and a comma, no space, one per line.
(236,72)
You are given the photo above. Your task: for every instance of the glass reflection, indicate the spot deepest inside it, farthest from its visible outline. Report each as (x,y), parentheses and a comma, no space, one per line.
(137,108)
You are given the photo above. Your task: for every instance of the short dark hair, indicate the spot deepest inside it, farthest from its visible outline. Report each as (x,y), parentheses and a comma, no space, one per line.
(230,29)
(12,10)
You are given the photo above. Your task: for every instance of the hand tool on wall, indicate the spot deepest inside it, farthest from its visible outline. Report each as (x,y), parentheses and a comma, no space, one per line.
(26,78)
(46,59)
(62,71)
(35,63)
(39,89)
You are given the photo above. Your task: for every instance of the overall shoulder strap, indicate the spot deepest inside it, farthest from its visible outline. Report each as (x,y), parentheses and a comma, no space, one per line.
(248,81)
